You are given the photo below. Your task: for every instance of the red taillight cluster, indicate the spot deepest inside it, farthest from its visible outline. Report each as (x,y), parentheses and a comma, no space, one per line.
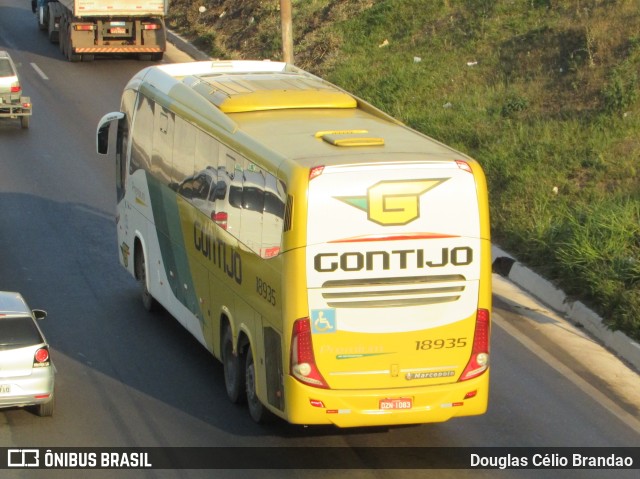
(315,172)
(84,27)
(151,26)
(16,88)
(479,361)
(41,358)
(303,362)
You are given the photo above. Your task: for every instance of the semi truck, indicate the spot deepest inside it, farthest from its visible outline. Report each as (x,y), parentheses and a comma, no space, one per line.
(85,28)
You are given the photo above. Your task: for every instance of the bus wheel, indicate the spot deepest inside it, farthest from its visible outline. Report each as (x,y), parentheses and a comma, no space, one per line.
(257,411)
(148,301)
(233,369)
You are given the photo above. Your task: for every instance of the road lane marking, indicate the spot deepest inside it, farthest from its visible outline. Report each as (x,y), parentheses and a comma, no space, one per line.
(39,71)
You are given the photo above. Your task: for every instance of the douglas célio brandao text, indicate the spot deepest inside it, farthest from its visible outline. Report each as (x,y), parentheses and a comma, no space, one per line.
(551,461)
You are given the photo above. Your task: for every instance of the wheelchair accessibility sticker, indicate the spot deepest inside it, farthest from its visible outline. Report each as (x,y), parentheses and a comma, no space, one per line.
(323,321)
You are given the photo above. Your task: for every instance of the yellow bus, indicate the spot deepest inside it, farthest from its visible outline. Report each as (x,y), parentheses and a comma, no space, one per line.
(334,260)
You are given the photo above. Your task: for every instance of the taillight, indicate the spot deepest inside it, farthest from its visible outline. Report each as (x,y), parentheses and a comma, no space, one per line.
(463,165)
(15,88)
(151,26)
(479,361)
(220,219)
(84,28)
(315,172)
(303,362)
(41,358)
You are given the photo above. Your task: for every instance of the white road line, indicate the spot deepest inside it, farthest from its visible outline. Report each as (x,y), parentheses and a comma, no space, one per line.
(39,72)
(596,394)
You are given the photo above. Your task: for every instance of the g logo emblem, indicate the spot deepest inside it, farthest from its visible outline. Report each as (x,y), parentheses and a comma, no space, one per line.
(393,203)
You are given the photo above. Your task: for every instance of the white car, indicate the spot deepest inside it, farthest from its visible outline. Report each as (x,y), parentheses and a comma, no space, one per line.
(26,369)
(13,104)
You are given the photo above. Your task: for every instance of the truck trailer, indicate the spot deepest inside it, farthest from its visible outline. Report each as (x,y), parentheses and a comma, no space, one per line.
(85,28)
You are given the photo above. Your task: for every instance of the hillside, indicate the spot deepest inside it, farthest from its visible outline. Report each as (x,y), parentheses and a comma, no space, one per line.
(544,93)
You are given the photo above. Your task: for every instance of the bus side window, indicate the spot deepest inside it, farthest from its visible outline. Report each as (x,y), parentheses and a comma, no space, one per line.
(252,207)
(162,156)
(184,146)
(123,147)
(262,211)
(121,161)
(143,135)
(273,216)
(227,192)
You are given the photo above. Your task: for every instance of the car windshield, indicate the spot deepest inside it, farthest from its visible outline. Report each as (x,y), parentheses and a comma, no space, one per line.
(18,332)
(5,68)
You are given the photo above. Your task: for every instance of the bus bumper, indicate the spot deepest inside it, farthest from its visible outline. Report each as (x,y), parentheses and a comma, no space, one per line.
(357,408)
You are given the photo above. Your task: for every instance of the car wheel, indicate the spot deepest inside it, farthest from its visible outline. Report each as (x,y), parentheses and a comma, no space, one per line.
(45,409)
(148,301)
(233,369)
(257,411)
(24,121)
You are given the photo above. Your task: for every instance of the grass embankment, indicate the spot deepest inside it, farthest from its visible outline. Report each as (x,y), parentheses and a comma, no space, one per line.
(543,93)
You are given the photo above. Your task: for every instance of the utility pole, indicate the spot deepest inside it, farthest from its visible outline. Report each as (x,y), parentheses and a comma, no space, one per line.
(287,30)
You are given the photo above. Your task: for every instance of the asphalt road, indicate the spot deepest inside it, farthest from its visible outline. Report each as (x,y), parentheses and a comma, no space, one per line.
(127,378)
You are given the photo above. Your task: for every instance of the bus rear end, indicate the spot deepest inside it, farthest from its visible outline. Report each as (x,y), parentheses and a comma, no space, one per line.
(399,296)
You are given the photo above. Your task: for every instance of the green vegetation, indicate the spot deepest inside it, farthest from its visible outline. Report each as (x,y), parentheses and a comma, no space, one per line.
(543,93)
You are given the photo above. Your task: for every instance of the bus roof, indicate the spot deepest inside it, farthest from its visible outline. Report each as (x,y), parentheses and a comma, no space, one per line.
(268,100)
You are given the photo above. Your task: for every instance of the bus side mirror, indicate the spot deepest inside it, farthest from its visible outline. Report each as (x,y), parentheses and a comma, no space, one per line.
(103,139)
(102,133)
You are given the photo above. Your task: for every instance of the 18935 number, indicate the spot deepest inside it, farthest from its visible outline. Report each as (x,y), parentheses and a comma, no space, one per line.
(266,291)
(448,343)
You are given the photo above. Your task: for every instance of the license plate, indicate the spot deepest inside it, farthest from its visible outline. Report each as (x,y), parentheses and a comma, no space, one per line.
(5,388)
(118,31)
(396,403)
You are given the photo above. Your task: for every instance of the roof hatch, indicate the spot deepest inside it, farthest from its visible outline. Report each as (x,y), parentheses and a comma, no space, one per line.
(349,138)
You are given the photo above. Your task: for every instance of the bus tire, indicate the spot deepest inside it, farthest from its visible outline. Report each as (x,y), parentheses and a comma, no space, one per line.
(148,301)
(257,411)
(233,369)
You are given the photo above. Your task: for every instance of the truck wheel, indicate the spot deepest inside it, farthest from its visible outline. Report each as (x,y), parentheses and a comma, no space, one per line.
(233,369)
(54,35)
(40,17)
(72,57)
(62,37)
(24,121)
